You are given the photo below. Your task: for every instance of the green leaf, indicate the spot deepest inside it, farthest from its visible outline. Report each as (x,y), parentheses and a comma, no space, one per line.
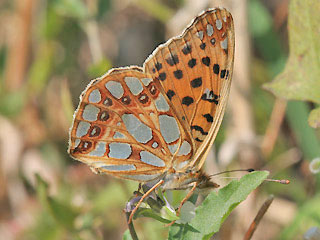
(62,213)
(300,79)
(216,207)
(126,235)
(314,118)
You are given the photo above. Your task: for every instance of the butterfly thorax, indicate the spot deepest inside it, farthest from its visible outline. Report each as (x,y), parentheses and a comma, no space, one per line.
(184,180)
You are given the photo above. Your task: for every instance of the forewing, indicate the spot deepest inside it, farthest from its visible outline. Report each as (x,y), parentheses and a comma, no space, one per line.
(125,126)
(195,71)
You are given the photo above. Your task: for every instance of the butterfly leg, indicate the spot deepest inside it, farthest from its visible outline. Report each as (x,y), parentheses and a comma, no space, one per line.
(142,198)
(183,201)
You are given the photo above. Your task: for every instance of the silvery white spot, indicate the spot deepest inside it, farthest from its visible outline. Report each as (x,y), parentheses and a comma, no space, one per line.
(224,43)
(146,81)
(161,104)
(213,41)
(90,113)
(118,124)
(219,24)
(224,19)
(200,35)
(151,159)
(134,85)
(141,132)
(119,150)
(169,128)
(118,135)
(124,167)
(155,144)
(141,177)
(76,142)
(209,30)
(115,88)
(185,148)
(100,150)
(181,165)
(82,129)
(95,96)
(173,148)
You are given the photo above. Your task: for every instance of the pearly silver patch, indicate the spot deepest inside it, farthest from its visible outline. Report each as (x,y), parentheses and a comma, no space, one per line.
(76,142)
(173,148)
(141,132)
(141,177)
(82,129)
(99,151)
(119,150)
(95,96)
(115,88)
(123,167)
(224,19)
(118,135)
(169,128)
(155,144)
(134,85)
(218,24)
(200,34)
(151,159)
(181,165)
(209,30)
(185,148)
(224,43)
(146,81)
(161,104)
(90,113)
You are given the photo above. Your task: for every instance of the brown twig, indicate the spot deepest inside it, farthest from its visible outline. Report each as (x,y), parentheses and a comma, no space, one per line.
(258,218)
(272,132)
(19,44)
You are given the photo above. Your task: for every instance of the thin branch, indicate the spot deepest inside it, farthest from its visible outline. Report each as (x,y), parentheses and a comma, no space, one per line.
(258,218)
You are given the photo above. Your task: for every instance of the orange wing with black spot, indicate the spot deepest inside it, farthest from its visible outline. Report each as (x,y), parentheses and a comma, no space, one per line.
(195,72)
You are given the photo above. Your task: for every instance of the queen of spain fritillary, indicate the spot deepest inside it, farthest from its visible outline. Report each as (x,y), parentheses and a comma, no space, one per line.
(157,123)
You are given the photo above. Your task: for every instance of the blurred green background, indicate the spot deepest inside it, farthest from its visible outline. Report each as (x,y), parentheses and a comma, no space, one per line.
(51,49)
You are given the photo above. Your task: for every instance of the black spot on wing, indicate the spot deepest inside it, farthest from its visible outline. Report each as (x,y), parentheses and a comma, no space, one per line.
(210,97)
(197,82)
(173,60)
(162,76)
(186,49)
(170,94)
(158,66)
(208,117)
(216,68)
(192,62)
(223,73)
(187,100)
(178,74)
(206,61)
(200,129)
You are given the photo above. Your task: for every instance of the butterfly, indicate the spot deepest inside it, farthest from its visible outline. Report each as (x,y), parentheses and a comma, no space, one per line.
(156,124)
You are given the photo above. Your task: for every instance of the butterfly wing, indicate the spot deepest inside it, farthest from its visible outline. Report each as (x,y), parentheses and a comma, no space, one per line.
(195,71)
(125,126)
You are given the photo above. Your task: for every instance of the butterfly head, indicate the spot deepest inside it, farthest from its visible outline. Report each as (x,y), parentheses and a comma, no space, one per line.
(186,179)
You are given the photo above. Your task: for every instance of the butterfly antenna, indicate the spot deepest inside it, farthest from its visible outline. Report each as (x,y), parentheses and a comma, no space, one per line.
(229,171)
(281,181)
